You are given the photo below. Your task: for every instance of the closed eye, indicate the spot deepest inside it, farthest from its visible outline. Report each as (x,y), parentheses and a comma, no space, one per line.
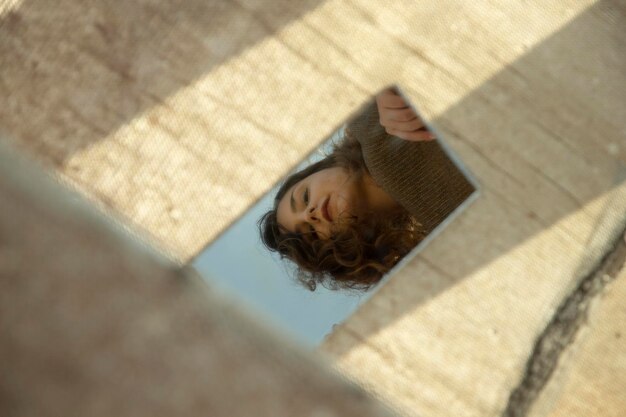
(306,197)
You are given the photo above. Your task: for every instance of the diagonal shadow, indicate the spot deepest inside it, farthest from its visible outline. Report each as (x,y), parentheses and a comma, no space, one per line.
(115,60)
(577,164)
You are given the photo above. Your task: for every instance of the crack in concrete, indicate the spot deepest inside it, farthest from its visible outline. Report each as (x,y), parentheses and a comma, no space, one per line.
(562,330)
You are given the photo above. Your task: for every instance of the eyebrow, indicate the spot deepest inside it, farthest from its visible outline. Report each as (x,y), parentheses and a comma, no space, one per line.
(293,202)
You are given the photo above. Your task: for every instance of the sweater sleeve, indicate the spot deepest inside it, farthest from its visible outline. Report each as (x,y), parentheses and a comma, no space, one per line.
(418,175)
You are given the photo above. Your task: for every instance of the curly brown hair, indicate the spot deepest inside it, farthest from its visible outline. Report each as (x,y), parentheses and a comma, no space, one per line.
(354,258)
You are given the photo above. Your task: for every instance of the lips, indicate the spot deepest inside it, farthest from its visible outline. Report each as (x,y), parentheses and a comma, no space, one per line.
(325,211)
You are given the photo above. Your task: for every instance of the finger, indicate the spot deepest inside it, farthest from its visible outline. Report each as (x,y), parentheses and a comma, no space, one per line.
(417,136)
(400,115)
(390,99)
(409,126)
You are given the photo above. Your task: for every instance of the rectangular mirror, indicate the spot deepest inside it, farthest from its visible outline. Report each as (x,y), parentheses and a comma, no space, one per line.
(342,222)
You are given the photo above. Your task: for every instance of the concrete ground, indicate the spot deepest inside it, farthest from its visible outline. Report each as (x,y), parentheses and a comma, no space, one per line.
(579,363)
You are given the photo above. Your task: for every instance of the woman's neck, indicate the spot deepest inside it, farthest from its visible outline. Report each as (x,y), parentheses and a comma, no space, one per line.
(376,198)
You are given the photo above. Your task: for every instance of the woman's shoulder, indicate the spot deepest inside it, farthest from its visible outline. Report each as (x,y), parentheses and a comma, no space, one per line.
(418,175)
(365,127)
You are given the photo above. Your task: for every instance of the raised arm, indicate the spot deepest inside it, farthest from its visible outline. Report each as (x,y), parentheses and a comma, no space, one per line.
(399,119)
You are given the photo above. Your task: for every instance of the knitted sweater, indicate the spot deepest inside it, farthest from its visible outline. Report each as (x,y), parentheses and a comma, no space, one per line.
(418,175)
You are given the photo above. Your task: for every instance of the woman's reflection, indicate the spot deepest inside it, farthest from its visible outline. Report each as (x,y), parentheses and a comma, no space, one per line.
(349,218)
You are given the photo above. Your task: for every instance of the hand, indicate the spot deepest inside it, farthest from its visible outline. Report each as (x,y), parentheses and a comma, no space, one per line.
(399,119)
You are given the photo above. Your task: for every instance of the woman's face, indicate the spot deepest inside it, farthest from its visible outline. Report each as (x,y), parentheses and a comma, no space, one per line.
(321,203)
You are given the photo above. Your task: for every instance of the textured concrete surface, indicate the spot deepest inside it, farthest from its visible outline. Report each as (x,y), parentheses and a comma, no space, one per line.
(180,123)
(590,376)
(557,349)
(95,323)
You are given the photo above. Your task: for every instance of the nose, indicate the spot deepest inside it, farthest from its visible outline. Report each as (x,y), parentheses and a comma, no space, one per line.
(311,214)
